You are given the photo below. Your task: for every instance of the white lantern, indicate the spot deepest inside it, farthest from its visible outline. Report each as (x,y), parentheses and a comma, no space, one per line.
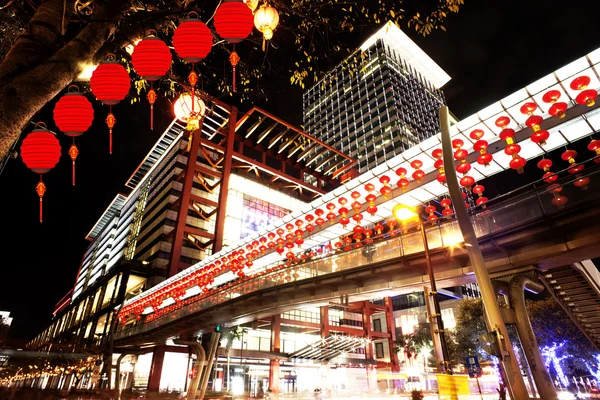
(266,20)
(186,113)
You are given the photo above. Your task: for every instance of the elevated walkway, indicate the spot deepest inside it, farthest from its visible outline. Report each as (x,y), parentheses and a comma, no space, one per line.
(520,231)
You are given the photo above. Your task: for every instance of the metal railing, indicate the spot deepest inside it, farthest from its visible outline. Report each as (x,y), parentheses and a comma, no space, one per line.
(517,208)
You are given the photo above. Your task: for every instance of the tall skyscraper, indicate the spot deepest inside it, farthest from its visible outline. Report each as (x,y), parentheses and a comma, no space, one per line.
(380,101)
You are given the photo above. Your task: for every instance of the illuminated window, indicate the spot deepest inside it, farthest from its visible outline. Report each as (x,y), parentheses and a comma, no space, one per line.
(258,213)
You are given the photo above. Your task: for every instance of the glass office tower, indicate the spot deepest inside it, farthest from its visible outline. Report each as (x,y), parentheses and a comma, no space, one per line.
(381,100)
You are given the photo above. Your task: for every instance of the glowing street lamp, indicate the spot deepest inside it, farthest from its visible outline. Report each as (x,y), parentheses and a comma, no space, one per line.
(404,213)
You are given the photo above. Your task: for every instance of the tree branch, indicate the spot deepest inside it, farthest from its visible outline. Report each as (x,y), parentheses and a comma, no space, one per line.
(43,37)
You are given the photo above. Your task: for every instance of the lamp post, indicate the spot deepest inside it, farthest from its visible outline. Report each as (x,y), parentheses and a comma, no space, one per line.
(404,213)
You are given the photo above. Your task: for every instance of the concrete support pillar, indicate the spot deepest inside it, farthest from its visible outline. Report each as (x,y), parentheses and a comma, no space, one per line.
(542,379)
(274,368)
(391,328)
(158,357)
(198,366)
(274,371)
(437,344)
(324,321)
(212,351)
(117,384)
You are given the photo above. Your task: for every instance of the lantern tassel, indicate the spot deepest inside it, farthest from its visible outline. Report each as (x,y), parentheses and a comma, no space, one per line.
(263,43)
(151,96)
(40,190)
(234,58)
(110,121)
(73,152)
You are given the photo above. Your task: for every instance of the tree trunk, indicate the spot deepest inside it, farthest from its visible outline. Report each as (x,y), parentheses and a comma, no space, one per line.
(23,95)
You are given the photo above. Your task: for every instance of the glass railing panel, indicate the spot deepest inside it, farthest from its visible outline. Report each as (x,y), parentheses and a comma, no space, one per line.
(451,234)
(434,237)
(514,214)
(412,243)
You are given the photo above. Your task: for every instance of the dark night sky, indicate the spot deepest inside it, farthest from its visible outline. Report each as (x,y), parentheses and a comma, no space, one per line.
(491,49)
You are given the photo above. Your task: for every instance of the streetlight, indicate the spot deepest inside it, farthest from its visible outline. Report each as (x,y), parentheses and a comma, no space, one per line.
(404,213)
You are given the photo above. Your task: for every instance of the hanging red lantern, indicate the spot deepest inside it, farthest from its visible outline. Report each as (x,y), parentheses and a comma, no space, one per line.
(151,59)
(587,96)
(595,147)
(539,136)
(418,174)
(385,190)
(402,182)
(73,115)
(476,134)
(582,183)
(545,164)
(431,211)
(319,213)
(569,156)
(558,200)
(330,215)
(40,152)
(467,182)
(439,165)
(370,198)
(192,41)
(110,84)
(558,108)
(507,134)
(484,157)
(233,23)
(446,204)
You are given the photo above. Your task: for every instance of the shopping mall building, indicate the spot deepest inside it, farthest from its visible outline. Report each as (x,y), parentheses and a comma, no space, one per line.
(217,210)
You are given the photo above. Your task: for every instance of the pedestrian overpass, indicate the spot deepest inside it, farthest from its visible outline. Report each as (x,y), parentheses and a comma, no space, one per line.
(521,231)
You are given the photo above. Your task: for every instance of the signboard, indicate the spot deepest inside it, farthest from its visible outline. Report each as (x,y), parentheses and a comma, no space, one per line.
(451,386)
(472,364)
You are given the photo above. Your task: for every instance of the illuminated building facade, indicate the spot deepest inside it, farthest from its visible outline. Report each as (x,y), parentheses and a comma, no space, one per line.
(379,102)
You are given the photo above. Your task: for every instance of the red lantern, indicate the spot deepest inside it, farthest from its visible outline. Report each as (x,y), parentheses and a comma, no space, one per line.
(233,23)
(439,165)
(582,183)
(418,174)
(447,210)
(402,182)
(73,115)
(467,182)
(558,108)
(476,134)
(569,156)
(40,151)
(192,41)
(545,164)
(385,190)
(540,137)
(484,158)
(595,147)
(517,163)
(587,96)
(151,59)
(110,84)
(431,211)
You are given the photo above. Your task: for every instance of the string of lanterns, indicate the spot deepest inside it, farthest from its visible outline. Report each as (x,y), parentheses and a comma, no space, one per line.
(151,59)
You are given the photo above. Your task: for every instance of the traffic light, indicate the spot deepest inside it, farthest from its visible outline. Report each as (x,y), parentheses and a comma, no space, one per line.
(217,328)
